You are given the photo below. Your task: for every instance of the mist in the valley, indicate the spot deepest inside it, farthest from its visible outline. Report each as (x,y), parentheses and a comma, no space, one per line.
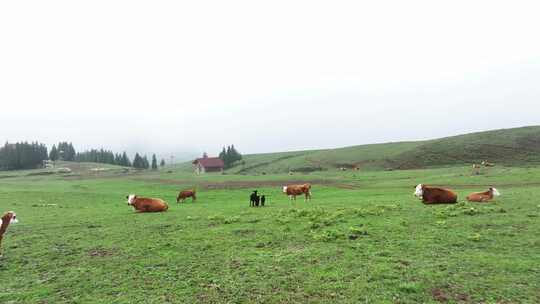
(178,79)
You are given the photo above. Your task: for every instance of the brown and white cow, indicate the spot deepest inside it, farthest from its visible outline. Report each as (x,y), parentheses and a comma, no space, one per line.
(8,218)
(481,197)
(293,190)
(485,163)
(185,194)
(435,195)
(144,204)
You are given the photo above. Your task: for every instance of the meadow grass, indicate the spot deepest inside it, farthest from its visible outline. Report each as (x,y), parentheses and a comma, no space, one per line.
(362,239)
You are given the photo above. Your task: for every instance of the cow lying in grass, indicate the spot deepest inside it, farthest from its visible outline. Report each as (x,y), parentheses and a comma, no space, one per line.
(8,218)
(185,194)
(144,204)
(481,197)
(435,195)
(293,190)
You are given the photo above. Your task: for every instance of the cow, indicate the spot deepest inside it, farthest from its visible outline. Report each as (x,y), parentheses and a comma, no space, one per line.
(476,169)
(482,197)
(254,199)
(435,195)
(293,190)
(263,200)
(485,163)
(185,194)
(144,204)
(8,218)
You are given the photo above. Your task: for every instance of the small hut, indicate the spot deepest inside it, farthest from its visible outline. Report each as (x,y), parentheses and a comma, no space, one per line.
(208,164)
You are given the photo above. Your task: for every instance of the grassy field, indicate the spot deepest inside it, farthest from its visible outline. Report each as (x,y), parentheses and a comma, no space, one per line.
(364,238)
(512,147)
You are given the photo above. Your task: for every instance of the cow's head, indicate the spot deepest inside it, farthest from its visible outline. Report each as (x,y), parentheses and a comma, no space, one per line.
(131,199)
(10,217)
(419,190)
(284,189)
(494,191)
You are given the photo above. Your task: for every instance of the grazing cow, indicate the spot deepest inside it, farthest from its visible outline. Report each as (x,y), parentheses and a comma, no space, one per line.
(476,169)
(254,199)
(434,195)
(481,197)
(185,194)
(485,163)
(293,190)
(144,204)
(8,218)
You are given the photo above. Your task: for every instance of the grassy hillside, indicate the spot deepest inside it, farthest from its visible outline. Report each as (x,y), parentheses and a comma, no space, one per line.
(516,147)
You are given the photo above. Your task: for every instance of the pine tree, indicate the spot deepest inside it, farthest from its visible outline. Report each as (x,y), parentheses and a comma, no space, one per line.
(137,161)
(145,163)
(53,155)
(154,162)
(162,163)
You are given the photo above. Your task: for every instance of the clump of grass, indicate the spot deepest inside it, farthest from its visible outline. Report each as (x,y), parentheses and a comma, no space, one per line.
(356,232)
(232,219)
(216,218)
(328,236)
(475,237)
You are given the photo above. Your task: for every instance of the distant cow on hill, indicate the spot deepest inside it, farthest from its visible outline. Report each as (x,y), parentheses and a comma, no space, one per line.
(185,194)
(485,163)
(293,190)
(144,204)
(8,218)
(435,195)
(481,197)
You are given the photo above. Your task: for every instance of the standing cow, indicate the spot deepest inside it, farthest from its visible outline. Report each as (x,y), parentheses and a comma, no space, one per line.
(481,197)
(254,199)
(8,218)
(185,194)
(144,204)
(293,190)
(435,195)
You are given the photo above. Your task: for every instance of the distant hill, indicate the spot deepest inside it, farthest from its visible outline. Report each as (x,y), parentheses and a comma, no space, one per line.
(516,147)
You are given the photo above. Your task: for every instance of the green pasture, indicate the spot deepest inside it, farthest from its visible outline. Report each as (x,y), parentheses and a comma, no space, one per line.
(364,238)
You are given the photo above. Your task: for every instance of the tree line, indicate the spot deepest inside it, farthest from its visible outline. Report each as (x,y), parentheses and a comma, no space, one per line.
(24,155)
(229,156)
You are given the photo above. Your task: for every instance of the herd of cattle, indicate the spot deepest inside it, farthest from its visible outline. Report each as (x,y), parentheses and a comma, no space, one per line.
(428,195)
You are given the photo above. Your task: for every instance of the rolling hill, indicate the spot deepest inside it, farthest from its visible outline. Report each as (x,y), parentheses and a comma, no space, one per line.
(513,147)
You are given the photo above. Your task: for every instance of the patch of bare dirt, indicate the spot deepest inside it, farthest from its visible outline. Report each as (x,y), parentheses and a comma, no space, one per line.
(444,296)
(249,184)
(101,252)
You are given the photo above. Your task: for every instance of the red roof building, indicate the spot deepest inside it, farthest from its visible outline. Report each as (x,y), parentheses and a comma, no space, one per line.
(208,164)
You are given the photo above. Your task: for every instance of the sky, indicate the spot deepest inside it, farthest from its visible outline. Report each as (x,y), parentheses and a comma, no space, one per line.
(192,76)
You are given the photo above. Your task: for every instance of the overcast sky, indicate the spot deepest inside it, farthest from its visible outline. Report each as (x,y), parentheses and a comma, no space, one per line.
(170,76)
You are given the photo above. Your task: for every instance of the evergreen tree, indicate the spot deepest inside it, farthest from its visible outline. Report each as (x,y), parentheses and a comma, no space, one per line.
(125,160)
(137,161)
(154,162)
(53,154)
(162,163)
(145,163)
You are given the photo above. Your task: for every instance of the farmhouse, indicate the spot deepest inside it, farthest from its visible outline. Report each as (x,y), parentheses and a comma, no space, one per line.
(208,164)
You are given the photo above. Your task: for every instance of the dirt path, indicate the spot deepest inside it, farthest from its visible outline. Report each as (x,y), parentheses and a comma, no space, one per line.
(248,184)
